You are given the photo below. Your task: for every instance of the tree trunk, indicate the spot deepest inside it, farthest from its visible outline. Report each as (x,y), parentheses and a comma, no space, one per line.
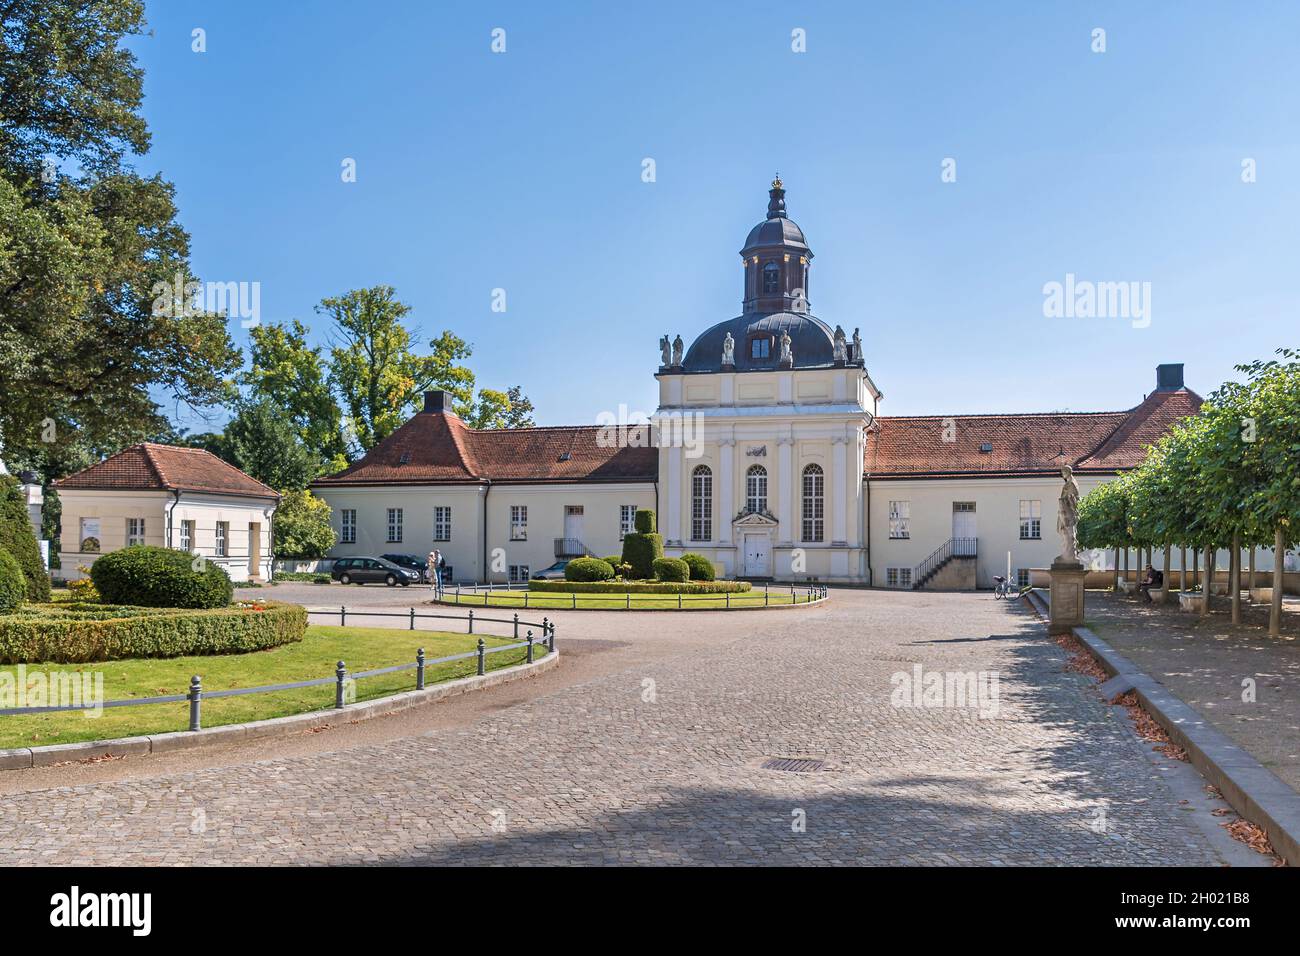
(1196,566)
(1169,576)
(1182,567)
(1209,576)
(1234,577)
(1251,574)
(1126,564)
(1275,612)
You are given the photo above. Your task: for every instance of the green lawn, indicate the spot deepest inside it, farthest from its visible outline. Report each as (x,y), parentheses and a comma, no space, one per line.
(543,600)
(361,648)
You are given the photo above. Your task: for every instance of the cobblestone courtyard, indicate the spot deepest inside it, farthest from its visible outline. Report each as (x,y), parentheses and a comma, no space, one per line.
(650,751)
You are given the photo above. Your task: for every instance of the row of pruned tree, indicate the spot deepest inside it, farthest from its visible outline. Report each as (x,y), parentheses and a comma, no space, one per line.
(1227,478)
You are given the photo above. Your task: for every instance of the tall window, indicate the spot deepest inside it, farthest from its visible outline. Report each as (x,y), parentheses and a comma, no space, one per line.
(771,278)
(187,535)
(626,520)
(519,523)
(900,516)
(394,525)
(701,503)
(756,488)
(134,531)
(442,523)
(814,485)
(349,526)
(1031,520)
(223,539)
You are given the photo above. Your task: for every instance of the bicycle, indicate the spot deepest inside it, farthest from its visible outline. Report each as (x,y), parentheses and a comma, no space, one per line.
(1002,588)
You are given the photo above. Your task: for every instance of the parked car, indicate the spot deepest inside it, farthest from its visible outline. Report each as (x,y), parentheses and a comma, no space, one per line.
(372,571)
(554,573)
(411,563)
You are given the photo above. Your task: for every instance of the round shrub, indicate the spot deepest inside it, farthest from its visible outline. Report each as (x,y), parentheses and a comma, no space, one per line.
(147,576)
(671,569)
(13,583)
(588,569)
(701,568)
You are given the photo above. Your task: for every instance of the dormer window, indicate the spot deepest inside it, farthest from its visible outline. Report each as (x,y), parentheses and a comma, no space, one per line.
(760,348)
(771,278)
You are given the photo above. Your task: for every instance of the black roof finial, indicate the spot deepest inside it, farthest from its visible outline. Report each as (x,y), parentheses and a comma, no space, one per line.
(776,204)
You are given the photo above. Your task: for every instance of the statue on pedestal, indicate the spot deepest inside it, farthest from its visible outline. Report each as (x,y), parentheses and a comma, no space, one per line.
(857,347)
(664,349)
(728,350)
(1067,517)
(786,357)
(678,346)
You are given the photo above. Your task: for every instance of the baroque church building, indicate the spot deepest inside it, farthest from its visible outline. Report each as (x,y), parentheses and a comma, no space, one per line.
(769,456)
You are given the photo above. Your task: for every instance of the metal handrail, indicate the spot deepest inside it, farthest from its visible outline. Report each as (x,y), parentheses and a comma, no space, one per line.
(196,694)
(952,548)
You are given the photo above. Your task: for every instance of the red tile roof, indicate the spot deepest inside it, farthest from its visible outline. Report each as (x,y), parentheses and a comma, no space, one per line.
(437,447)
(150,467)
(1022,445)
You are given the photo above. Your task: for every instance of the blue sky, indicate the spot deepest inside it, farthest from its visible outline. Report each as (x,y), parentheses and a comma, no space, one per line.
(522,171)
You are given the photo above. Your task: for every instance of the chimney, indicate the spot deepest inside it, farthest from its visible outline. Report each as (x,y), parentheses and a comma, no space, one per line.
(439,401)
(1169,378)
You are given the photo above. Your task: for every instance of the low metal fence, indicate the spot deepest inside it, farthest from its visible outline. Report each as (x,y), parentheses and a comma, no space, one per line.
(341,678)
(731,600)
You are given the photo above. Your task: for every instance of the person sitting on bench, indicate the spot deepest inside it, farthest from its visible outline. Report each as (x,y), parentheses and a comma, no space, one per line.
(1153,579)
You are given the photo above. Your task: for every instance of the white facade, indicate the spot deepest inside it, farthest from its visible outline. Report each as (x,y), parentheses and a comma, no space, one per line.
(231,531)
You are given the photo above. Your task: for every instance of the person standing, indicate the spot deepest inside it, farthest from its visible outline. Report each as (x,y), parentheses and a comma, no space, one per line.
(432,571)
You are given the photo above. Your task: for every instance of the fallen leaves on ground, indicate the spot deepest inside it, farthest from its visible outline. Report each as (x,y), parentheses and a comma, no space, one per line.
(1080,661)
(1243,831)
(1147,727)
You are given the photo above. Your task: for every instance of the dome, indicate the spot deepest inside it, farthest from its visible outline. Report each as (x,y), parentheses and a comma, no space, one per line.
(777,231)
(812,342)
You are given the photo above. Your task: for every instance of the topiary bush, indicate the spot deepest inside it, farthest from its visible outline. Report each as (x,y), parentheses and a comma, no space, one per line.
(671,569)
(17,537)
(588,569)
(641,587)
(701,567)
(640,550)
(13,583)
(78,633)
(149,576)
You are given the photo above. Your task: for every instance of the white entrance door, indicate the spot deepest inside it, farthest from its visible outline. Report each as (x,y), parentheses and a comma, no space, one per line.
(573,522)
(757,555)
(963,520)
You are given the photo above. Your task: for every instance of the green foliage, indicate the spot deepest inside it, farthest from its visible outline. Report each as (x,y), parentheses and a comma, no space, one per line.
(701,568)
(1103,516)
(263,442)
(83,590)
(17,537)
(302,526)
(640,551)
(290,374)
(308,577)
(588,569)
(640,587)
(644,522)
(148,576)
(13,584)
(671,569)
(78,633)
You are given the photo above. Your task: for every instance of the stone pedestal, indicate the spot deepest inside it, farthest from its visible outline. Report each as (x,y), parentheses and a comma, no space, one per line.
(1067,596)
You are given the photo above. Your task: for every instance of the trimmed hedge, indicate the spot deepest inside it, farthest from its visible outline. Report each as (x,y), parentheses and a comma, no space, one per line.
(644,521)
(641,551)
(672,569)
(13,583)
(700,566)
(147,576)
(17,537)
(640,587)
(588,569)
(72,633)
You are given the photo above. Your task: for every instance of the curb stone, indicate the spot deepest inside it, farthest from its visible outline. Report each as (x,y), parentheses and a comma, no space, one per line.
(23,758)
(1246,784)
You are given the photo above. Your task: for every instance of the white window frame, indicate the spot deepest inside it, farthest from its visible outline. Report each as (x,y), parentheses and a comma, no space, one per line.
(187,535)
(900,520)
(756,489)
(348,526)
(221,547)
(813,484)
(518,522)
(134,531)
(1022,577)
(519,573)
(702,503)
(1031,519)
(898,578)
(394,526)
(626,520)
(442,523)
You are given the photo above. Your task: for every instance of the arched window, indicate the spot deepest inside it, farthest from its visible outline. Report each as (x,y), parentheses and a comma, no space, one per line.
(701,504)
(756,488)
(814,507)
(771,278)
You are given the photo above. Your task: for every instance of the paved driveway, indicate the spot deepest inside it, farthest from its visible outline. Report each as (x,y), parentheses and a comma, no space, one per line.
(647,747)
